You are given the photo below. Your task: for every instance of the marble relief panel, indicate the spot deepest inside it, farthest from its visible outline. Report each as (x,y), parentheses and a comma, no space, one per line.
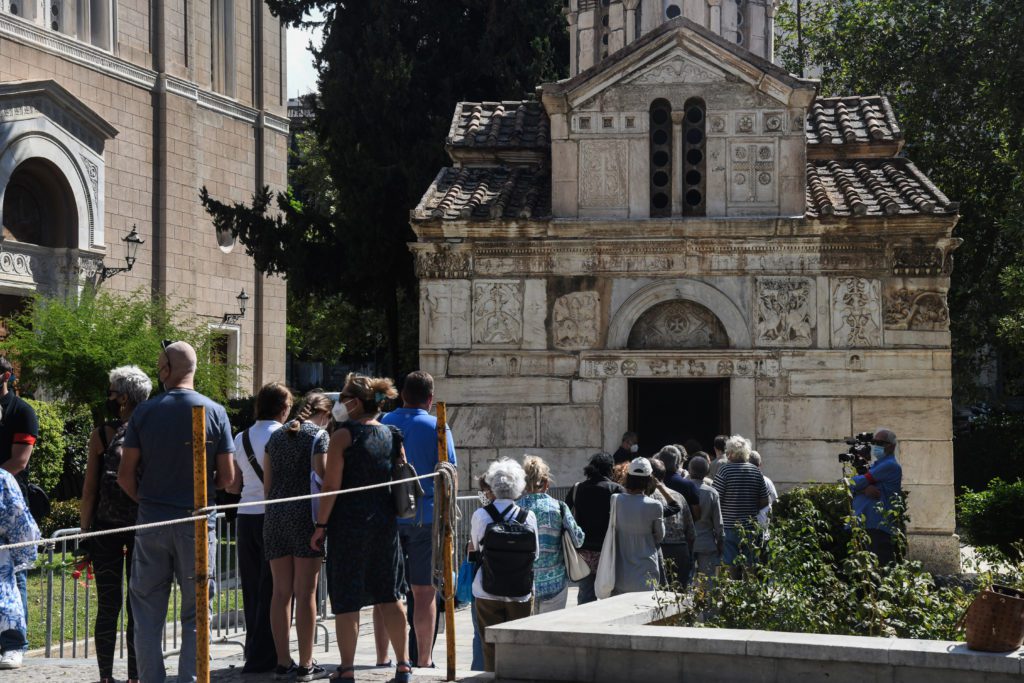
(576,318)
(752,171)
(603,170)
(856,313)
(784,311)
(445,314)
(911,308)
(497,312)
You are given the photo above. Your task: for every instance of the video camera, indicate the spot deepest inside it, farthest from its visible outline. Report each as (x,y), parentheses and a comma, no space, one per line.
(859,452)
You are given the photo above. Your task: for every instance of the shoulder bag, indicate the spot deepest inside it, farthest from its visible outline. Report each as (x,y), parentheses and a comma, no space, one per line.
(995,620)
(604,580)
(251,455)
(407,494)
(316,484)
(575,567)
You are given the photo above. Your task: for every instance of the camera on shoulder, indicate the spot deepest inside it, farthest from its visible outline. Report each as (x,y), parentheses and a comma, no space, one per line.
(859,452)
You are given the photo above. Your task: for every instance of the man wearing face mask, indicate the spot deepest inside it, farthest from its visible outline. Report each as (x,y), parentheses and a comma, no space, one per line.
(628,449)
(875,492)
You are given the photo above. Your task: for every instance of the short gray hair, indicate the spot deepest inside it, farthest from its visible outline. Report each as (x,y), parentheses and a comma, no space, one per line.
(699,467)
(670,457)
(506,478)
(737,448)
(755,458)
(131,381)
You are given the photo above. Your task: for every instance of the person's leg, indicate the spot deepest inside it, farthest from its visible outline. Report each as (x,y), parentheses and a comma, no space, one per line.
(418,549)
(488,613)
(107,558)
(677,561)
(394,622)
(281,607)
(424,619)
(881,546)
(250,564)
(478,645)
(346,629)
(129,628)
(586,590)
(307,570)
(185,573)
(380,637)
(149,589)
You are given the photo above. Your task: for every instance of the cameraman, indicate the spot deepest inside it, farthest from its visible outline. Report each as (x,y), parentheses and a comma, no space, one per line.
(875,491)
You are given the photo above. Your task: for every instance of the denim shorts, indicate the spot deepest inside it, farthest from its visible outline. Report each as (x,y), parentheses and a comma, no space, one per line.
(418,548)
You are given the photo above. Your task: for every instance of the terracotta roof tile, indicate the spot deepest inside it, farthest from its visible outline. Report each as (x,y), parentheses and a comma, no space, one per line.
(514,124)
(857,125)
(487,194)
(872,187)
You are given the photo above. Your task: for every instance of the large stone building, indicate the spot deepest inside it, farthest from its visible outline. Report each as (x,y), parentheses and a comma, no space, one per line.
(682,239)
(113,114)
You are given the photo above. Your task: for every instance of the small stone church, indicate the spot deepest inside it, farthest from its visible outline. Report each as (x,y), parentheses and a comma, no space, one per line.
(683,240)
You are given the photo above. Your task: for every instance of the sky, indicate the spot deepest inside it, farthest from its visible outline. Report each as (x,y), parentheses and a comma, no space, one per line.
(301,74)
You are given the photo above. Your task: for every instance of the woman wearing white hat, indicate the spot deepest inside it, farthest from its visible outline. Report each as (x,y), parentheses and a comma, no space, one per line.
(639,530)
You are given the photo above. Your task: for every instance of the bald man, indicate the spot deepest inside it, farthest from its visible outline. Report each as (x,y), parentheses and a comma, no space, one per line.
(875,492)
(156,470)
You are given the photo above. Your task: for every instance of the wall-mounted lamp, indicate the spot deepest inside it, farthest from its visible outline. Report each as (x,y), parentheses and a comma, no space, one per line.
(131,249)
(232,318)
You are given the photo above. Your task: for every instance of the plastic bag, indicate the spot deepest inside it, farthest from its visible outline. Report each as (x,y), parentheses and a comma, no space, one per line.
(464,585)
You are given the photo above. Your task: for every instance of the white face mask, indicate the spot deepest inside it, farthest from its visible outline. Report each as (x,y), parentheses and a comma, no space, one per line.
(340,411)
(878,452)
(635,448)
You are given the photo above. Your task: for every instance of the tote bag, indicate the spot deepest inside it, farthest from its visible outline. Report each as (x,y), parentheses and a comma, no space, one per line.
(575,567)
(604,581)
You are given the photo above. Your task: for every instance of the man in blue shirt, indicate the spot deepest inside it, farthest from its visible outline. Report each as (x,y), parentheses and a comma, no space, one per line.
(875,492)
(419,432)
(156,471)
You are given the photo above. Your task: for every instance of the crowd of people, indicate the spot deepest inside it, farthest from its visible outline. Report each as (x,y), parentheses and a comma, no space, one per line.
(631,524)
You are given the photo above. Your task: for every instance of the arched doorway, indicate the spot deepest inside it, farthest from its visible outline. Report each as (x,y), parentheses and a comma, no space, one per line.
(678,411)
(39,206)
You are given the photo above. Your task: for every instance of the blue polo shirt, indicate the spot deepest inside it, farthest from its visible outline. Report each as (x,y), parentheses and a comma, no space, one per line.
(419,432)
(887,476)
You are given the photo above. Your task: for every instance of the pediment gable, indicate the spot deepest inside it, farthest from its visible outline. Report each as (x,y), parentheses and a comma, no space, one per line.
(29,99)
(680,51)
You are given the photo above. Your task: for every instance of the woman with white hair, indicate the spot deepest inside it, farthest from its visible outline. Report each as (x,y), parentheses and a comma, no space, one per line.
(742,493)
(507,481)
(105,505)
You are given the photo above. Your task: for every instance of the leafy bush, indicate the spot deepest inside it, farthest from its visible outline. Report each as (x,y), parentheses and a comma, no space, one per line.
(994,517)
(78,425)
(832,504)
(47,461)
(64,514)
(800,586)
(241,412)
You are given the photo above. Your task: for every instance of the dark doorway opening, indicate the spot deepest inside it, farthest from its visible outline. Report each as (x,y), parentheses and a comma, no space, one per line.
(669,411)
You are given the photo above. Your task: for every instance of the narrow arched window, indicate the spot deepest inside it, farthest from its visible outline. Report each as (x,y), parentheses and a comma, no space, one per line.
(694,163)
(661,158)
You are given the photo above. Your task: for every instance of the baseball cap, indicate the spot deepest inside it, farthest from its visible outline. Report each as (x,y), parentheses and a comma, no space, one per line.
(640,467)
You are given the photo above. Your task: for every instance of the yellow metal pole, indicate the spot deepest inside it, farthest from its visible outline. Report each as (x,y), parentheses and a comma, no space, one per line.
(449,580)
(202,551)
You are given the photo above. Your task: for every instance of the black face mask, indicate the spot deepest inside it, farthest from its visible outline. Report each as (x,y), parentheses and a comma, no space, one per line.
(113,407)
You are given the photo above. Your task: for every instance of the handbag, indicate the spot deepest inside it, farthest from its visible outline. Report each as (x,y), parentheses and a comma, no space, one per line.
(316,484)
(995,620)
(405,495)
(464,584)
(575,567)
(604,580)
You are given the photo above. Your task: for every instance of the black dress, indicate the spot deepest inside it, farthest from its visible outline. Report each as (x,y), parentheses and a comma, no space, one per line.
(364,557)
(287,527)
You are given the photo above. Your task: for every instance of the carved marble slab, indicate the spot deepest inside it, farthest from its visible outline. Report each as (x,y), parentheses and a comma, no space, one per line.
(661,364)
(856,313)
(603,169)
(576,317)
(784,312)
(676,69)
(497,312)
(752,169)
(444,314)
(916,309)
(678,325)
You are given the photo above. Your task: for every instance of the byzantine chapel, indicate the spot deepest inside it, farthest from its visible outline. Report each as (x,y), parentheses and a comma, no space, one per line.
(682,239)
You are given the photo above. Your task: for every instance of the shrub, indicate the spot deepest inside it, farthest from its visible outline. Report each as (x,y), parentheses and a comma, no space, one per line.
(47,461)
(78,425)
(64,514)
(832,505)
(994,517)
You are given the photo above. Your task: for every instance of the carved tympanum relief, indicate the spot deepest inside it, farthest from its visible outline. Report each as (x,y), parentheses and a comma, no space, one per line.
(603,174)
(916,309)
(497,312)
(784,312)
(575,317)
(444,308)
(856,313)
(678,325)
(676,70)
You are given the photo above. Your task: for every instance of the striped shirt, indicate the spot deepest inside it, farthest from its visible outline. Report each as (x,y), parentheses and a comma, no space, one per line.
(740,487)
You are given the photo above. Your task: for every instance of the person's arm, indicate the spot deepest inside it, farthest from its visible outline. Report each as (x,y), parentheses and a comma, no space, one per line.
(319,463)
(26,431)
(267,471)
(764,500)
(225,473)
(569,523)
(87,507)
(332,482)
(689,529)
(716,522)
(237,481)
(128,472)
(451,455)
(659,527)
(671,507)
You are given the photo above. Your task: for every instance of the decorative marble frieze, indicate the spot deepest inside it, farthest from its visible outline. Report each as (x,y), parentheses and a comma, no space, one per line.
(497,312)
(856,313)
(678,365)
(576,320)
(442,263)
(916,309)
(784,312)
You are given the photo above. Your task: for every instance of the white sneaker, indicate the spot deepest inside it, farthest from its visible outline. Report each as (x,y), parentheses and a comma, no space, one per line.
(11,660)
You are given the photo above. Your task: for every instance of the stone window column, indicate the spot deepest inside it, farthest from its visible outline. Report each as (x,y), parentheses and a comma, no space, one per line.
(631,6)
(573,43)
(677,162)
(716,16)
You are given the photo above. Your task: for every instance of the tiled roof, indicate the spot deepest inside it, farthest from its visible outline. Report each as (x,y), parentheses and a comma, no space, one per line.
(515,125)
(487,194)
(857,126)
(872,187)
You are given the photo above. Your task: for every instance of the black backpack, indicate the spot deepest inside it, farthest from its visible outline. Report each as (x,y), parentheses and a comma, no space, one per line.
(113,506)
(508,550)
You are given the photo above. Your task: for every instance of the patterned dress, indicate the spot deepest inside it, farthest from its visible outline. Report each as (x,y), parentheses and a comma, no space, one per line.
(16,526)
(549,575)
(287,527)
(364,557)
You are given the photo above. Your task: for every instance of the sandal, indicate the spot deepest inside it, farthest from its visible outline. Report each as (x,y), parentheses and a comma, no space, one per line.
(337,675)
(384,665)
(403,676)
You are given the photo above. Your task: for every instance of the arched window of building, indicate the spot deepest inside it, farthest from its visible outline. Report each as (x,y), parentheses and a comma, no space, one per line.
(694,158)
(661,158)
(39,207)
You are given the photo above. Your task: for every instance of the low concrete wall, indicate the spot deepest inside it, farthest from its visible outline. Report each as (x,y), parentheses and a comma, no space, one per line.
(610,640)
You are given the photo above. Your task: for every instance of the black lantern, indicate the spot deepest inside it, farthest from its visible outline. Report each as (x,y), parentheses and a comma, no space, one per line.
(243,300)
(131,250)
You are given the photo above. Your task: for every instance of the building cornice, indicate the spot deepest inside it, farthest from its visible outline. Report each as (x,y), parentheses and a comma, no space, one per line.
(68,48)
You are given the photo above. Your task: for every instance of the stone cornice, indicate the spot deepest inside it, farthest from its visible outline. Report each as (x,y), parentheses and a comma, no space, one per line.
(66,47)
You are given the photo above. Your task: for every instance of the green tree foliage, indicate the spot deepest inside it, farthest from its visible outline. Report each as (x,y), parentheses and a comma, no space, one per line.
(994,517)
(47,461)
(390,73)
(68,346)
(951,69)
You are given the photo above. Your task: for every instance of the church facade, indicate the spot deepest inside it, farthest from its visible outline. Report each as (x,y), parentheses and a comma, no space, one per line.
(683,240)
(113,115)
